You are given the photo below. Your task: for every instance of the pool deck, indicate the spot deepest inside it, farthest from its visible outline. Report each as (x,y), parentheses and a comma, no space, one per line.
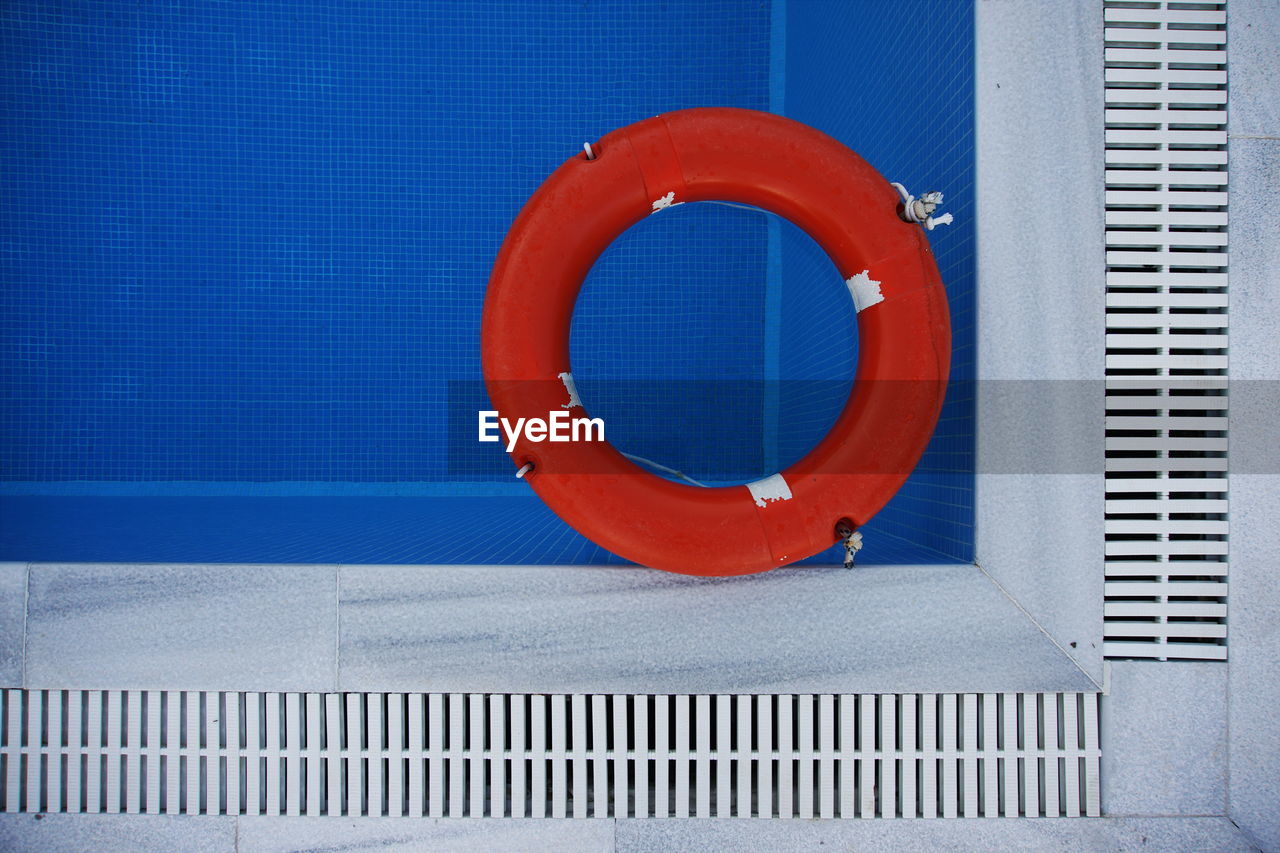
(523,629)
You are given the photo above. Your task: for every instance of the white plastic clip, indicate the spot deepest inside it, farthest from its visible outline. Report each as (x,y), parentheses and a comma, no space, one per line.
(920,210)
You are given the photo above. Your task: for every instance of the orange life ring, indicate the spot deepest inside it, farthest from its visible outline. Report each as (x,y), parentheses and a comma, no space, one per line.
(820,185)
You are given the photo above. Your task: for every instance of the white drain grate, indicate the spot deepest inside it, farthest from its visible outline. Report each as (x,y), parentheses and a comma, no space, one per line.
(516,755)
(1166,155)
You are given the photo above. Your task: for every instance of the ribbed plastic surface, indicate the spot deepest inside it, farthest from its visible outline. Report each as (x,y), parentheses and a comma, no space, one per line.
(514,755)
(1167,300)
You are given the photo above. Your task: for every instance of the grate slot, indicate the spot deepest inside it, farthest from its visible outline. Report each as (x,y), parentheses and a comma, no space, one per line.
(1167,284)
(515,755)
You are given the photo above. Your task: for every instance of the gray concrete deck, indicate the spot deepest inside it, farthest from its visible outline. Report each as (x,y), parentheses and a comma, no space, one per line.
(56,833)
(562,629)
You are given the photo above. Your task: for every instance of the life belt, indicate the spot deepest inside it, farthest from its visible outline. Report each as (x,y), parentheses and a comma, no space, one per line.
(754,158)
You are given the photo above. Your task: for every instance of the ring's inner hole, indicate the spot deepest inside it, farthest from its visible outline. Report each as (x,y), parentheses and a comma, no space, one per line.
(715,340)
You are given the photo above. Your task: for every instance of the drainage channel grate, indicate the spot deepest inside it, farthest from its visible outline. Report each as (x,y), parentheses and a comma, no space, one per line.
(1166,155)
(519,755)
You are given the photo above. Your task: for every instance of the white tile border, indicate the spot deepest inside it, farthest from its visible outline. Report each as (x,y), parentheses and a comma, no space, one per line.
(1040,258)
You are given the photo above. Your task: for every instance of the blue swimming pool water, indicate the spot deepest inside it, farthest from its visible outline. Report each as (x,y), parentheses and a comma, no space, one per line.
(244,249)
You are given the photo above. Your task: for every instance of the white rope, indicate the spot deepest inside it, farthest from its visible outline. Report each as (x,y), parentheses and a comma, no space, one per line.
(742,207)
(672,471)
(919,210)
(852,545)
(852,542)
